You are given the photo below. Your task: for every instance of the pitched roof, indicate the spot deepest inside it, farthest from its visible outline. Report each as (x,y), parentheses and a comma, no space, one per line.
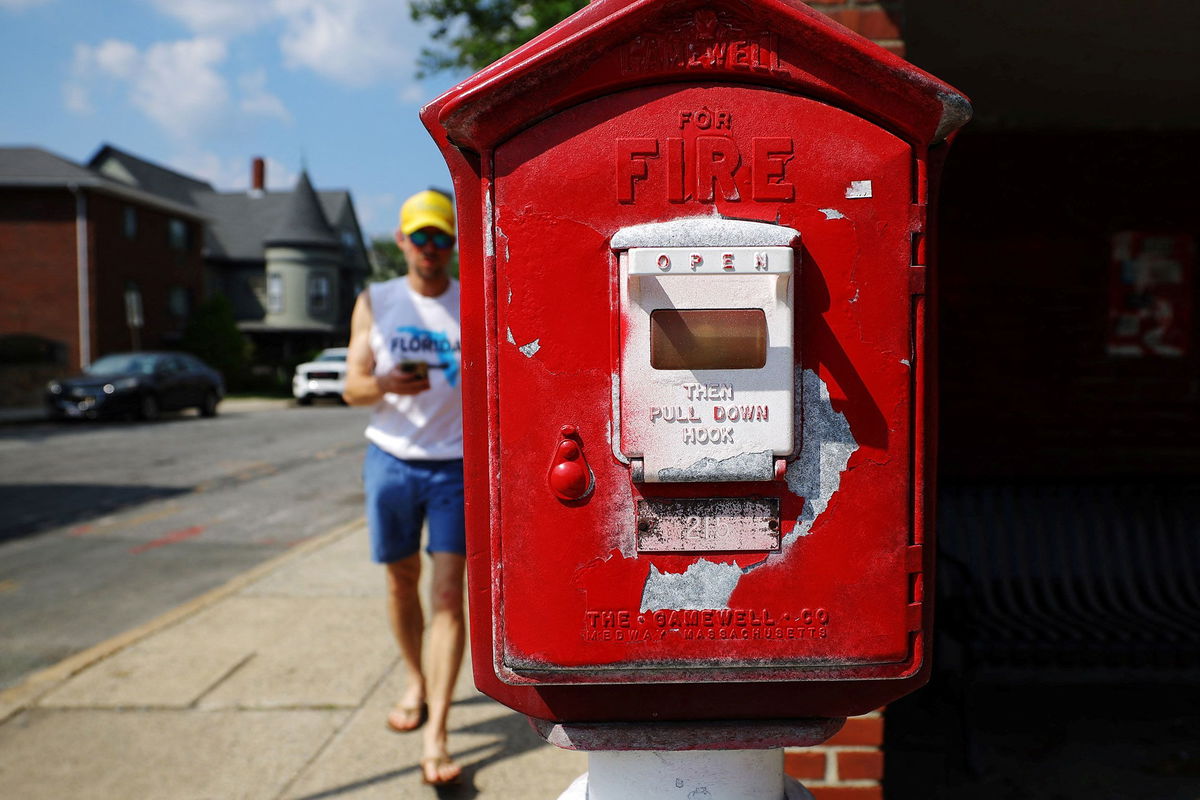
(239,219)
(34,164)
(146,175)
(33,167)
(303,221)
(610,45)
(239,224)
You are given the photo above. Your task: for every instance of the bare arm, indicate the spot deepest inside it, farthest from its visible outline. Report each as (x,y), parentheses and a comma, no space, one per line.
(363,386)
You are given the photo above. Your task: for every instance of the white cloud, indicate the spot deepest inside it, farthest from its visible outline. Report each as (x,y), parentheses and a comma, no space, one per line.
(76,99)
(232,174)
(178,85)
(175,84)
(257,101)
(117,58)
(219,17)
(181,86)
(353,42)
(413,94)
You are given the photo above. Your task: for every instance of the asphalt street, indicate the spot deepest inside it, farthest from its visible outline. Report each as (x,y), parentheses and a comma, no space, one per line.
(107,525)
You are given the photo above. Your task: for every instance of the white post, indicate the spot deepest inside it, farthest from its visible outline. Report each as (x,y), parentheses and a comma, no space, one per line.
(682,774)
(83,290)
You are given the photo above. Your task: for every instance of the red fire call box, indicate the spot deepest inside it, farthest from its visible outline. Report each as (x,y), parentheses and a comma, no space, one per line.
(697,372)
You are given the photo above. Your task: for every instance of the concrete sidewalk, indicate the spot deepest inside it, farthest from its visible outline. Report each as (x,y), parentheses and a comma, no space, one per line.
(273,686)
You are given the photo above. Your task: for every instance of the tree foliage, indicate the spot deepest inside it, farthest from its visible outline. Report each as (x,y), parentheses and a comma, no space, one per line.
(213,336)
(474,33)
(387,260)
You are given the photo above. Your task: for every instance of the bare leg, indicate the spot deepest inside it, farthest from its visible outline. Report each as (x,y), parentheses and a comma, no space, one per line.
(407,619)
(447,633)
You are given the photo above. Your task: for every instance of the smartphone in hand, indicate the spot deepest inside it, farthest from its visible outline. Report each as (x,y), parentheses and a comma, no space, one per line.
(418,369)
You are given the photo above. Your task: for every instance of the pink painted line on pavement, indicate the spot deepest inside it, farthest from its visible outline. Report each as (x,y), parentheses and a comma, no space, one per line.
(170,538)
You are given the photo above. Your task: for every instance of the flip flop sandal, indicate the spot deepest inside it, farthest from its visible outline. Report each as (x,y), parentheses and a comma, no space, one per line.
(416,714)
(438,763)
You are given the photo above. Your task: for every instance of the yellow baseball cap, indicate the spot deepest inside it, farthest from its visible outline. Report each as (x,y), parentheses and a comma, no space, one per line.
(427,209)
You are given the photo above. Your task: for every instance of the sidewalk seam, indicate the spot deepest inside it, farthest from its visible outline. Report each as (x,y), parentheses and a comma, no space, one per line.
(26,694)
(229,673)
(338,731)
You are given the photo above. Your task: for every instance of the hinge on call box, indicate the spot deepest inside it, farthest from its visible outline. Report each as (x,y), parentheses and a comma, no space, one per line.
(917,256)
(916,586)
(916,279)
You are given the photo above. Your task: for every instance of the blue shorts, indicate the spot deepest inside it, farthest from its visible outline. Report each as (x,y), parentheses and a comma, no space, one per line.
(401,495)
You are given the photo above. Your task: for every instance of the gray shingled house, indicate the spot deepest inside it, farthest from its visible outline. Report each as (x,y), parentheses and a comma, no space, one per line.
(291,263)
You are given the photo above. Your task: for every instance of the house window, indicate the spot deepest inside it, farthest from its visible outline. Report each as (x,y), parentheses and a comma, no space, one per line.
(179,302)
(256,283)
(134,317)
(318,294)
(129,222)
(275,293)
(177,234)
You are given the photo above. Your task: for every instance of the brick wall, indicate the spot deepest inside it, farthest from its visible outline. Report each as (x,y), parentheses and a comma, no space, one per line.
(38,271)
(148,260)
(881,22)
(847,767)
(38,281)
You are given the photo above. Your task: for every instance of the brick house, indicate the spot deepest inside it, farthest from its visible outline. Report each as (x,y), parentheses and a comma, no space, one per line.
(115,255)
(83,256)
(291,262)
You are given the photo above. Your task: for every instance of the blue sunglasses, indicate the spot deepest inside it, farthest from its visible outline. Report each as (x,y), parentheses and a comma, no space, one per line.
(442,241)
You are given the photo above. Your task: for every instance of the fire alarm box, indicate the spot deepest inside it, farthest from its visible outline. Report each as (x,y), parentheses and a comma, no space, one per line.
(696,304)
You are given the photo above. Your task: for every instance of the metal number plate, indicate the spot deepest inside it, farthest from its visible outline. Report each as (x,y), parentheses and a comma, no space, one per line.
(724,524)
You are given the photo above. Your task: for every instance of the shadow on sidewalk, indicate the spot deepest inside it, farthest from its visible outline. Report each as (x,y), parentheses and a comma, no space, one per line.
(510,735)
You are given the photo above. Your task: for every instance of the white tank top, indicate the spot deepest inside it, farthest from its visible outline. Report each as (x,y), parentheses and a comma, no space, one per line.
(412,327)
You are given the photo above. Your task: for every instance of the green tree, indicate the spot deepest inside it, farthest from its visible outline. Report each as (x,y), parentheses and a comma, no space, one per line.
(387,261)
(477,32)
(213,336)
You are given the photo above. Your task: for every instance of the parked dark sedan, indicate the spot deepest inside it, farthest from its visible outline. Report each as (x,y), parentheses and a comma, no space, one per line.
(137,384)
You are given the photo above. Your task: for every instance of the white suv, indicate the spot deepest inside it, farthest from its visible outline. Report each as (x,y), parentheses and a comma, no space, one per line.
(324,376)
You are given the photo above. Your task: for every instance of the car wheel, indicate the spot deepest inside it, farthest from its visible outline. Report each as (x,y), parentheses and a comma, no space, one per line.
(208,407)
(148,408)
(304,400)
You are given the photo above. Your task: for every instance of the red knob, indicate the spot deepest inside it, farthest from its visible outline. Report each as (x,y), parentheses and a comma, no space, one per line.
(570,477)
(569,480)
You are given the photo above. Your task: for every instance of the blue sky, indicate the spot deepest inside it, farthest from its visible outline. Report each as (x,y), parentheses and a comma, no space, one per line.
(203,86)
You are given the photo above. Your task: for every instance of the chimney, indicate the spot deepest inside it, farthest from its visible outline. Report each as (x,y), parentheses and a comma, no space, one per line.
(258,175)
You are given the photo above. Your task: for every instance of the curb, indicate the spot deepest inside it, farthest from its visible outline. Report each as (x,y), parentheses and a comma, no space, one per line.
(24,415)
(20,697)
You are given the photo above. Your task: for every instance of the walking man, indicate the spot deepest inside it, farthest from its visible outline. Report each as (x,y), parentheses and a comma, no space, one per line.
(404,360)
